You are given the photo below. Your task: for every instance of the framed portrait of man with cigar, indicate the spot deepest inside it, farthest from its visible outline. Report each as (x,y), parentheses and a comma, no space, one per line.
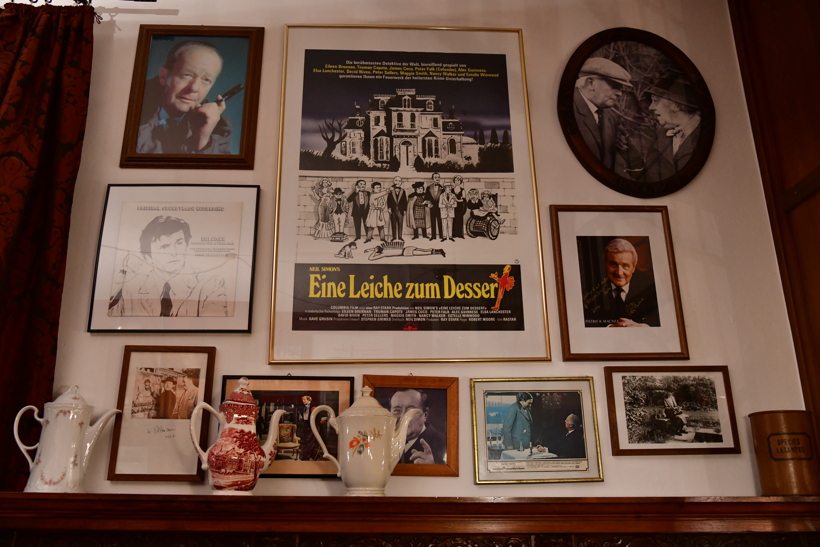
(194,98)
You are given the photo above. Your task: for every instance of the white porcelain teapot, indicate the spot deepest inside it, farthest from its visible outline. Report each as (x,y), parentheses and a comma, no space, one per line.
(370,445)
(66,442)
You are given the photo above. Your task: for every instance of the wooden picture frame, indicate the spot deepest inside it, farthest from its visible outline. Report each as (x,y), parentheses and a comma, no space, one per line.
(528,430)
(165,109)
(437,398)
(629,149)
(651,295)
(298,454)
(666,411)
(159,388)
(175,257)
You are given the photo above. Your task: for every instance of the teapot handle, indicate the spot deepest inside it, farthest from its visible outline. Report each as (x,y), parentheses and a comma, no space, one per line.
(23,447)
(332,422)
(195,434)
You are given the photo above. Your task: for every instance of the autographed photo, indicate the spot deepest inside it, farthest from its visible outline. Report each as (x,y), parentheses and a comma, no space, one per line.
(410,202)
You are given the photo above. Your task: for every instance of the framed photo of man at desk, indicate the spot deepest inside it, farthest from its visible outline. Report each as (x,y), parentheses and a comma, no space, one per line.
(194,98)
(618,295)
(535,430)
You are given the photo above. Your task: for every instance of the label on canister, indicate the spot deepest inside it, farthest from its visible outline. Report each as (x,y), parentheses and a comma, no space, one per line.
(790,446)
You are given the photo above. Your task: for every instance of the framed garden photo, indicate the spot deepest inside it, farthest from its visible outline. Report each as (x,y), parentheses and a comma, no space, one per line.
(656,411)
(407,227)
(194,98)
(636,112)
(159,388)
(535,430)
(298,453)
(432,437)
(618,295)
(175,258)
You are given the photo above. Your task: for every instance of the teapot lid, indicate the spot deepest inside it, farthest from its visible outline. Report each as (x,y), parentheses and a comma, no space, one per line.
(366,405)
(242,394)
(70,397)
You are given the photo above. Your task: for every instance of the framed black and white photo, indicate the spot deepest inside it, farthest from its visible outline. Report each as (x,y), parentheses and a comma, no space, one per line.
(432,437)
(194,98)
(618,295)
(159,388)
(535,430)
(657,411)
(175,258)
(636,112)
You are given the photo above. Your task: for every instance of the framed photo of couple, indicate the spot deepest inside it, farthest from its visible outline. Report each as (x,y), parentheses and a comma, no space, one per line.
(407,227)
(618,295)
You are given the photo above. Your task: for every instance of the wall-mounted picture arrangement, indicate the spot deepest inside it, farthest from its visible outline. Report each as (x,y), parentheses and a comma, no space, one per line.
(618,295)
(407,226)
(159,388)
(299,453)
(535,430)
(194,98)
(432,437)
(636,112)
(175,258)
(657,411)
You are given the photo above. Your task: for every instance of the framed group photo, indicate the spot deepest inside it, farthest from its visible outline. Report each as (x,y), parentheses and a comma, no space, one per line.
(636,112)
(298,451)
(535,430)
(657,411)
(175,258)
(194,98)
(407,227)
(159,388)
(431,448)
(618,294)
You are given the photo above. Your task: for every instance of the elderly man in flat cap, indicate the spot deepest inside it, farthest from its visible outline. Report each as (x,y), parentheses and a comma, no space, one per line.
(655,157)
(599,85)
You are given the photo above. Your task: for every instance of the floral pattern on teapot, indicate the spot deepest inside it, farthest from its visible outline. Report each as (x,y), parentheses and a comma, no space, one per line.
(361,441)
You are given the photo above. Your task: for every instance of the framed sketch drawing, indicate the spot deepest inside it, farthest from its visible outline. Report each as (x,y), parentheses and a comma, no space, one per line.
(194,98)
(159,388)
(618,295)
(657,411)
(298,453)
(175,258)
(407,225)
(535,430)
(432,437)
(636,112)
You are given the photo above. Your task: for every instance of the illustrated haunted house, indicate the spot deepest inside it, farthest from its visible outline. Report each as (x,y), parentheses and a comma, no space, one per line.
(406,126)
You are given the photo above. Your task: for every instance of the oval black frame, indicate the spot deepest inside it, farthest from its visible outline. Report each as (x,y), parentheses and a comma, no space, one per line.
(576,143)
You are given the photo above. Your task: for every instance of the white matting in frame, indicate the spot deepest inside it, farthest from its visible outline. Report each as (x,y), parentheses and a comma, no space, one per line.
(391,107)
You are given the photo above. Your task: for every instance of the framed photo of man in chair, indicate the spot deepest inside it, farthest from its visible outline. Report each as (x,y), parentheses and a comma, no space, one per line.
(299,453)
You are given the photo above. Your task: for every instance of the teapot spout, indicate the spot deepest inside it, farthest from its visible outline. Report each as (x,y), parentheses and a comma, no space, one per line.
(400,437)
(272,443)
(93,432)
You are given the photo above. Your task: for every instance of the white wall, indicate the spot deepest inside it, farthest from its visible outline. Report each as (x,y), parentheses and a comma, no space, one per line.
(732,297)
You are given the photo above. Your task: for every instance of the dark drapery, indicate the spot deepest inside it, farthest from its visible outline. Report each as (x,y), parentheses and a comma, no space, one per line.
(45,73)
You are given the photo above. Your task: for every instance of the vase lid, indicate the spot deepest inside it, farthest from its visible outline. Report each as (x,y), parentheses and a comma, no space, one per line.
(366,405)
(70,397)
(241,395)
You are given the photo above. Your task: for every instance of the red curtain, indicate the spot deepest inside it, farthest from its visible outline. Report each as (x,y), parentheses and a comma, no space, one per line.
(45,73)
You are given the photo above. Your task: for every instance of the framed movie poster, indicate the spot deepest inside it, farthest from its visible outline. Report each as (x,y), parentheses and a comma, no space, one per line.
(159,388)
(636,112)
(657,411)
(298,452)
(194,98)
(432,436)
(175,258)
(618,295)
(407,226)
(535,430)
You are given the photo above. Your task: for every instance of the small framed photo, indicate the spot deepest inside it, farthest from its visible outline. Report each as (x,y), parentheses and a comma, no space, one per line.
(159,388)
(299,453)
(194,98)
(535,430)
(636,112)
(432,437)
(618,295)
(175,258)
(661,411)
